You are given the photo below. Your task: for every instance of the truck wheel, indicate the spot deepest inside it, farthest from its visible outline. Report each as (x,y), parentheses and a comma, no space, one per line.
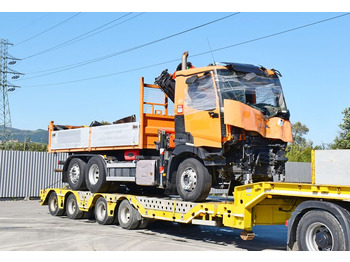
(96,175)
(53,205)
(76,171)
(72,208)
(193,181)
(320,231)
(127,215)
(101,214)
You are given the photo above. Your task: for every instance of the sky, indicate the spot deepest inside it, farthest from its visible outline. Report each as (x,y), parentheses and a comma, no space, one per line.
(82,66)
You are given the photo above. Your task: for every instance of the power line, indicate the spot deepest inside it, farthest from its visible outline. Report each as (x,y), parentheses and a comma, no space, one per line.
(87,34)
(45,31)
(108,75)
(195,55)
(275,34)
(68,67)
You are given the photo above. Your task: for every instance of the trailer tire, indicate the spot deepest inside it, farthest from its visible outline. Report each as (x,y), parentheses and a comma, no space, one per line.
(318,230)
(96,175)
(76,174)
(127,215)
(143,223)
(72,208)
(193,180)
(101,214)
(53,205)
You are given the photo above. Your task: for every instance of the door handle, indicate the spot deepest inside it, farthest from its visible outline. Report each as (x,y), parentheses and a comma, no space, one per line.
(213,115)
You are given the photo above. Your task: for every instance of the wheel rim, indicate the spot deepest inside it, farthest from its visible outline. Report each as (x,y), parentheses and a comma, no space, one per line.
(319,237)
(189,179)
(94,174)
(125,215)
(74,173)
(71,206)
(101,211)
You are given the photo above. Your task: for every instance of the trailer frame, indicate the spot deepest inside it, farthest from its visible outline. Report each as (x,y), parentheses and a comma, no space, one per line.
(263,203)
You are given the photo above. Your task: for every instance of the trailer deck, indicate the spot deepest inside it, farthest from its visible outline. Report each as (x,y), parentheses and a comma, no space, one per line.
(264,203)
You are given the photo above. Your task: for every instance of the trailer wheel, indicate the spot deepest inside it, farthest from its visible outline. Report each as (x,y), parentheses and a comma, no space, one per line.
(101,214)
(72,208)
(320,231)
(193,180)
(53,205)
(76,172)
(143,223)
(127,215)
(96,175)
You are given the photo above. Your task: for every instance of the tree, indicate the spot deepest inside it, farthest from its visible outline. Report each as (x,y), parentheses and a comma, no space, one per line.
(23,146)
(299,131)
(343,140)
(300,149)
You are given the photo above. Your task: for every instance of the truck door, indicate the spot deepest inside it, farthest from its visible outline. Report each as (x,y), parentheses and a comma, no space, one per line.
(202,111)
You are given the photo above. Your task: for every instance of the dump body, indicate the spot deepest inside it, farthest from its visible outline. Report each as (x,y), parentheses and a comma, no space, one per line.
(122,136)
(98,137)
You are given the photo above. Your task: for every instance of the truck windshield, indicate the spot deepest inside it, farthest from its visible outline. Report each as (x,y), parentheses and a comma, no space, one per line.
(260,92)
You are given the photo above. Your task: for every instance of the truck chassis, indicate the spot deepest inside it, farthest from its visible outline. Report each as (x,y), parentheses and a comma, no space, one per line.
(317,216)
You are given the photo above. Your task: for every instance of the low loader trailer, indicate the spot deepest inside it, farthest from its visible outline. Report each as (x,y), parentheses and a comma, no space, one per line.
(317,216)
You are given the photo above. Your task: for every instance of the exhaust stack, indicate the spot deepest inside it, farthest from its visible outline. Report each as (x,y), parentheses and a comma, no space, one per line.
(184,60)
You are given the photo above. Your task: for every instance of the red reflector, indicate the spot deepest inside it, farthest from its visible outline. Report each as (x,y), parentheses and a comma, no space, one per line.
(286,224)
(130,155)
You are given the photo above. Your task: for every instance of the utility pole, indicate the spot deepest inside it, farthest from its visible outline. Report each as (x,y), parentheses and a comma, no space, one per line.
(5,87)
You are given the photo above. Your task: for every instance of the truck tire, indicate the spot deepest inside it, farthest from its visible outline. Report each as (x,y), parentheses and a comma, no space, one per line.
(193,181)
(101,214)
(127,215)
(76,174)
(95,176)
(318,230)
(53,205)
(72,208)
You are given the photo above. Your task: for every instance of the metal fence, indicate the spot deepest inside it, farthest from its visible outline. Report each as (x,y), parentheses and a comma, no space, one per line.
(298,172)
(24,174)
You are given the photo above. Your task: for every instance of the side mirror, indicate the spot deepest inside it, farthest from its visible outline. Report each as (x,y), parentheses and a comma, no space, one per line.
(191,80)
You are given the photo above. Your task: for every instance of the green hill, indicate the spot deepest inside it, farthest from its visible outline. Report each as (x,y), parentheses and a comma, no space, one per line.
(39,136)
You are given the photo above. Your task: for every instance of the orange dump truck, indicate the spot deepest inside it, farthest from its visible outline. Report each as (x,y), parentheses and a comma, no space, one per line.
(214,126)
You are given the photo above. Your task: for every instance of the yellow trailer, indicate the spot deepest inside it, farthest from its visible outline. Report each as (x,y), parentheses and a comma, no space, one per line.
(317,216)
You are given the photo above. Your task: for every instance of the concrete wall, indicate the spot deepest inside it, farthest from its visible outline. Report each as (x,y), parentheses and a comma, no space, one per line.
(332,167)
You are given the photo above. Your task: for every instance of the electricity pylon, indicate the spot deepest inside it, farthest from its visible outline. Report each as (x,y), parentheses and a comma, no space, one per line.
(5,87)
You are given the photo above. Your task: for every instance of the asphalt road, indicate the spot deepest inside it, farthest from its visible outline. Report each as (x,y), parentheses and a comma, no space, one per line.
(27,226)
